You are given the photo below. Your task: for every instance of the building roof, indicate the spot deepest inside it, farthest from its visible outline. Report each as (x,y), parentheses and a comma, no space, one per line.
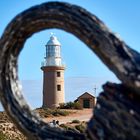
(85,94)
(53,41)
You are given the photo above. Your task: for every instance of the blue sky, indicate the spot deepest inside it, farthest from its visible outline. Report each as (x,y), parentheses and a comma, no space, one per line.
(84,69)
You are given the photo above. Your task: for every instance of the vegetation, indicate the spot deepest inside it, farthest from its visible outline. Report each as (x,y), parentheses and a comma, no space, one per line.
(70,105)
(68,128)
(46,112)
(81,127)
(3,136)
(75,121)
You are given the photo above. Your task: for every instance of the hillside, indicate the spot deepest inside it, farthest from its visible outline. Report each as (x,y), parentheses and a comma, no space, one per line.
(74,120)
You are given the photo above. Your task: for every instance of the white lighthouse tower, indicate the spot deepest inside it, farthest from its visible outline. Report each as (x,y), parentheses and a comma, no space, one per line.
(53,74)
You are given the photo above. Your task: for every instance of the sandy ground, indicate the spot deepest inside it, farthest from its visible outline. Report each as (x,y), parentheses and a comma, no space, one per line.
(81,115)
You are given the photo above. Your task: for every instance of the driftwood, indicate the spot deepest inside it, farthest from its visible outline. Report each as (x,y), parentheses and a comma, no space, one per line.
(117,114)
(119,58)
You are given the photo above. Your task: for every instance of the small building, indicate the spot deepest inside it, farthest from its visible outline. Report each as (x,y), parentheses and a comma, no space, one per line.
(87,100)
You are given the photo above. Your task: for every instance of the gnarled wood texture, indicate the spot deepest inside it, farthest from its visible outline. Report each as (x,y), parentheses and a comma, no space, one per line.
(117,114)
(114,53)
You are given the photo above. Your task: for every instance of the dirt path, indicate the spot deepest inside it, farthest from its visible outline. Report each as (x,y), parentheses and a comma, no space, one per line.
(81,115)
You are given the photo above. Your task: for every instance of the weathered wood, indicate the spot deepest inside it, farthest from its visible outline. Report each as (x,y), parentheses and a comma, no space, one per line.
(122,60)
(117,114)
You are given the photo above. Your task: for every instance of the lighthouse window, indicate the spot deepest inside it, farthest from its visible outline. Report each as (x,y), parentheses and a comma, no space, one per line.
(58,87)
(58,74)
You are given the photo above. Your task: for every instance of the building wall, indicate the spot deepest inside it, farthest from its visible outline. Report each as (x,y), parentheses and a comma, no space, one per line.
(52,97)
(92,100)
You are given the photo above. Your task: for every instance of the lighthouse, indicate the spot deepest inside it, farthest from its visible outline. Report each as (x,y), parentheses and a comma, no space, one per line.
(53,74)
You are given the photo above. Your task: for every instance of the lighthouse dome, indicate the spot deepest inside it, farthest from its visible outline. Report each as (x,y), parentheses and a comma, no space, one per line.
(53,41)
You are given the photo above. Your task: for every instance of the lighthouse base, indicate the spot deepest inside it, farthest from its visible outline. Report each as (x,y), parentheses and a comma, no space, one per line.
(53,86)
